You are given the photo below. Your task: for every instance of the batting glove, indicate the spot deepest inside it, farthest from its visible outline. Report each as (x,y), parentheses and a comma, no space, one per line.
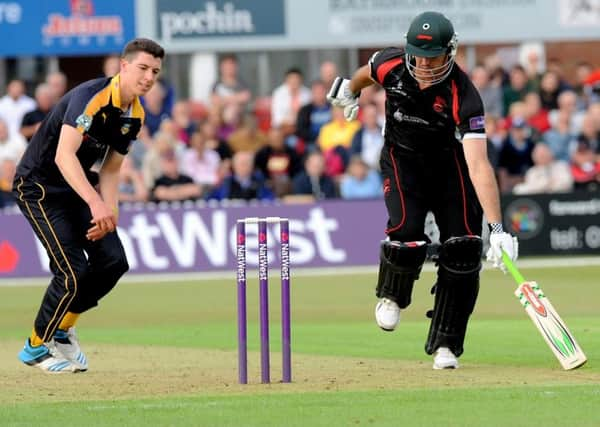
(499,240)
(340,95)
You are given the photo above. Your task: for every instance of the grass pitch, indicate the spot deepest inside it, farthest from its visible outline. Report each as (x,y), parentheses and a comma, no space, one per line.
(164,354)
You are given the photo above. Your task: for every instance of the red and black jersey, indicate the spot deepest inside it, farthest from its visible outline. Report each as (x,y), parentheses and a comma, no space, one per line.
(429,119)
(89,108)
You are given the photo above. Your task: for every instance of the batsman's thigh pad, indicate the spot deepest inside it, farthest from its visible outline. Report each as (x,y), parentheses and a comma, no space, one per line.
(456,291)
(399,267)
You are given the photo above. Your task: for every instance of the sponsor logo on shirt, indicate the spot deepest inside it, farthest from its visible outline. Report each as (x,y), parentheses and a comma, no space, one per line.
(401,117)
(476,123)
(84,122)
(439,104)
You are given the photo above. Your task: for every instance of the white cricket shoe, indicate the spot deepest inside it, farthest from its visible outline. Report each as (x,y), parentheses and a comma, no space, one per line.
(47,358)
(67,344)
(387,314)
(443,358)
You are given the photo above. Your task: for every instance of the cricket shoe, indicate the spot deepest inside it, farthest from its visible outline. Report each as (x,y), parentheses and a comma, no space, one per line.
(47,358)
(443,358)
(387,314)
(67,344)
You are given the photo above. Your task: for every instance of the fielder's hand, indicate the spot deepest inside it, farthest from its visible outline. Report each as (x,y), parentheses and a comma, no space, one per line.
(340,95)
(498,242)
(103,219)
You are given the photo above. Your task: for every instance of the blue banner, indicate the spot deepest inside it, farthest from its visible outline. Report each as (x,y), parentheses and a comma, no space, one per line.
(189,19)
(65,27)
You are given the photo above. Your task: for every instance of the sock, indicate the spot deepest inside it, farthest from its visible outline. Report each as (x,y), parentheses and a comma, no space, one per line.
(68,321)
(35,340)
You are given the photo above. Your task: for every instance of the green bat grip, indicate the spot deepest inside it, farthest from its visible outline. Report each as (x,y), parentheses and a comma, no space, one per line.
(512,269)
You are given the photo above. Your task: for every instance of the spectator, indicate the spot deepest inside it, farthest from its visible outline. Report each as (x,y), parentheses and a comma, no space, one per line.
(140,147)
(287,100)
(313,181)
(338,132)
(244,182)
(556,66)
(592,88)
(14,105)
(313,115)
(172,185)
(515,156)
(111,65)
(131,183)
(58,84)
(367,142)
(547,175)
(534,68)
(585,167)
(559,136)
(278,163)
(12,147)
(8,168)
(536,116)
(229,89)
(184,126)
(567,101)
(493,65)
(549,90)
(495,136)
(360,182)
(200,162)
(248,137)
(517,87)
(582,73)
(151,164)
(230,121)
(328,71)
(209,129)
(335,140)
(590,133)
(44,99)
(491,95)
(154,107)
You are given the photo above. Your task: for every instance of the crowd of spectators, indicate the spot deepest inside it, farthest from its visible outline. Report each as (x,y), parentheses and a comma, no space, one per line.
(543,135)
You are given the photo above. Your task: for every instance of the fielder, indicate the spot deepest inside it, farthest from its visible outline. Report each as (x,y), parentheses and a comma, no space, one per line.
(434,159)
(55,189)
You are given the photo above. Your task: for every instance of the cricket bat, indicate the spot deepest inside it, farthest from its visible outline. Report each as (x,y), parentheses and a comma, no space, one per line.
(546,319)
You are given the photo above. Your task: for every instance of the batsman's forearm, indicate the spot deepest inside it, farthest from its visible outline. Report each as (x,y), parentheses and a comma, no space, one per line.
(71,170)
(486,188)
(361,79)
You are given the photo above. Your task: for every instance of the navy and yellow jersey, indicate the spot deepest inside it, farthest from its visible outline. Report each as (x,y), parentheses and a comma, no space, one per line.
(94,109)
(429,119)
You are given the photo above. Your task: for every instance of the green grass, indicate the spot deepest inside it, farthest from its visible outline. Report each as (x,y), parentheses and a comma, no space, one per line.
(163,354)
(564,406)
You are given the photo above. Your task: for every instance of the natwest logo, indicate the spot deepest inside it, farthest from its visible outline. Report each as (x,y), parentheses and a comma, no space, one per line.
(82,24)
(197,241)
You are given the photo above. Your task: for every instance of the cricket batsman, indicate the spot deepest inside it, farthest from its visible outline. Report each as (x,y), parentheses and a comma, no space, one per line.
(434,159)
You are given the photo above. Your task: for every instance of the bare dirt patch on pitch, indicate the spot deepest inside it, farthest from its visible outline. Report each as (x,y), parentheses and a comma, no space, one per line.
(129,372)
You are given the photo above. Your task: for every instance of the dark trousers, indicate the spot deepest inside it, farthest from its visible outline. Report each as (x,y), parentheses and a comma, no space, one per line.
(84,271)
(438,182)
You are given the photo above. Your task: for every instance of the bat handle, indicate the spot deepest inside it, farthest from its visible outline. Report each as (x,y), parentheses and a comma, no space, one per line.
(512,269)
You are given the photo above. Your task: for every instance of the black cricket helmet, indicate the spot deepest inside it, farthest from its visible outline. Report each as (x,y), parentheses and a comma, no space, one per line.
(430,34)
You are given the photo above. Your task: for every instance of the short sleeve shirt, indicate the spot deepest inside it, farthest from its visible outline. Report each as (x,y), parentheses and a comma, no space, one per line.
(84,108)
(429,119)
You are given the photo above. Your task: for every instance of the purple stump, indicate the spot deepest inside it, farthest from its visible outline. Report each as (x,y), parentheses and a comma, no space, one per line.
(241,289)
(263,281)
(284,232)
